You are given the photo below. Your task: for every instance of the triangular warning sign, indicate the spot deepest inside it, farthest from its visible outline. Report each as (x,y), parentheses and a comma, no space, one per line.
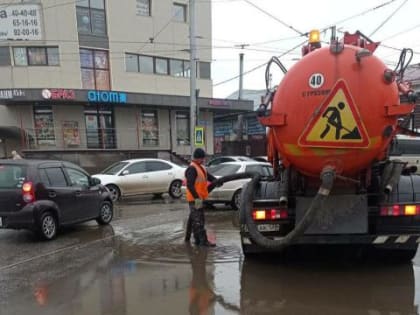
(337,123)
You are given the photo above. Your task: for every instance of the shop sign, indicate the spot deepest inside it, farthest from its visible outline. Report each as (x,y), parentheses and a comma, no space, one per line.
(107,96)
(219,102)
(11,93)
(58,94)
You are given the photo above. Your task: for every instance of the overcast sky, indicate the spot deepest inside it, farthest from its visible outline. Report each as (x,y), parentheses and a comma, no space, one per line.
(237,22)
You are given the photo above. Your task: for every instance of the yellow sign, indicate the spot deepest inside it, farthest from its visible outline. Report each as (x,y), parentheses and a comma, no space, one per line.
(337,123)
(199,136)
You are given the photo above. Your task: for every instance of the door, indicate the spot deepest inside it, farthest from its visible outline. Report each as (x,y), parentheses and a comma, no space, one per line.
(159,175)
(86,196)
(134,179)
(59,191)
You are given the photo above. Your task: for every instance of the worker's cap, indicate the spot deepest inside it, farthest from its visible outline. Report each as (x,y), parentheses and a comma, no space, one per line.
(199,154)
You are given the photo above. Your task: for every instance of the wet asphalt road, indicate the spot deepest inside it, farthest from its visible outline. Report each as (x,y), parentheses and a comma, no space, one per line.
(140,265)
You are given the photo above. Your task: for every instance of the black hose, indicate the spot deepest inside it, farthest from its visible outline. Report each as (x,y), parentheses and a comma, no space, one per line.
(327,179)
(220,181)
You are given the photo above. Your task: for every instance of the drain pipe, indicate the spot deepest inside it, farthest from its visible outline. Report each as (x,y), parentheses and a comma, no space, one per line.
(327,181)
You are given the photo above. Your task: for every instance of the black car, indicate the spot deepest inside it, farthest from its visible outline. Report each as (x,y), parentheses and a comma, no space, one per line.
(43,195)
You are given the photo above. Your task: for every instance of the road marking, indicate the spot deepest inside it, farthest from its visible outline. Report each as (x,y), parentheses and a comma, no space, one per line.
(402,239)
(77,246)
(380,239)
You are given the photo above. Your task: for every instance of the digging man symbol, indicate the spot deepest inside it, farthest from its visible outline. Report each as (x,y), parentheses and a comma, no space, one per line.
(333,116)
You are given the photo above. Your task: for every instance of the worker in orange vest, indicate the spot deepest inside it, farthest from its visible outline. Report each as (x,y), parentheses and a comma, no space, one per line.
(197,179)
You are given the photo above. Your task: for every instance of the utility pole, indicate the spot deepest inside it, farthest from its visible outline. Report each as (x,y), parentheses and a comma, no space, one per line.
(240,121)
(193,75)
(241,75)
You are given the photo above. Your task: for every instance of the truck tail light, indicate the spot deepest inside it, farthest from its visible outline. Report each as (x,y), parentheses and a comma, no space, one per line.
(28,193)
(269,214)
(400,210)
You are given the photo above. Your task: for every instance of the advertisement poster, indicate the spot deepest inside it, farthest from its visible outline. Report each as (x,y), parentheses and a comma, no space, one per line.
(150,127)
(21,22)
(44,128)
(71,133)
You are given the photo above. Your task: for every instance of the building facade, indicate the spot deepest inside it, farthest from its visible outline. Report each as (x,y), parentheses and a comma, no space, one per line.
(101,75)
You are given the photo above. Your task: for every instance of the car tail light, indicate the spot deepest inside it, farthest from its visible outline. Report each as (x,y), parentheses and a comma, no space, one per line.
(400,210)
(269,214)
(28,193)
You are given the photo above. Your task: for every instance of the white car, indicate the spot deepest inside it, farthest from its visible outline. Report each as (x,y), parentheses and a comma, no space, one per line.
(142,176)
(230,192)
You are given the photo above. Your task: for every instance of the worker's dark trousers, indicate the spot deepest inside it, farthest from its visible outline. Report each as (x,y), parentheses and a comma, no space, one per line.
(195,224)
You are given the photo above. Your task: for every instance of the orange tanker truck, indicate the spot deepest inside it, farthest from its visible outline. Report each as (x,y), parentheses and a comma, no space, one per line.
(332,120)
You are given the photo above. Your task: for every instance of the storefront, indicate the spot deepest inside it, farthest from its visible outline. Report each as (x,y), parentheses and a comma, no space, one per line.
(86,120)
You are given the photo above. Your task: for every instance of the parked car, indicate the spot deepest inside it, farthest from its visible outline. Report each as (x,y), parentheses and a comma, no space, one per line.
(142,176)
(44,195)
(230,192)
(262,158)
(223,159)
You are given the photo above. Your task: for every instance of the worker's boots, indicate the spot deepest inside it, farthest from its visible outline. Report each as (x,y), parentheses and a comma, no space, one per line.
(203,241)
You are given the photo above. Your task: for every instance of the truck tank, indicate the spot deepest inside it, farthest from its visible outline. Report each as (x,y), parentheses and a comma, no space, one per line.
(337,106)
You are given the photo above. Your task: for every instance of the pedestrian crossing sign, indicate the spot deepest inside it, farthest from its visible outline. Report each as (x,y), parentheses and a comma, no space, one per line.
(199,136)
(336,123)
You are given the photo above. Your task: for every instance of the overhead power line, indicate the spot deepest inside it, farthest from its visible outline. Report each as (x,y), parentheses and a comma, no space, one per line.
(275,18)
(361,13)
(388,18)
(258,67)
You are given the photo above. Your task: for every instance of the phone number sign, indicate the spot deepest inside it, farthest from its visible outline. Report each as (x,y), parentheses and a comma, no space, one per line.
(21,22)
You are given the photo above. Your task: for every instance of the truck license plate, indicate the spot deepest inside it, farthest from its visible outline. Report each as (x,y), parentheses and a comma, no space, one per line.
(268,227)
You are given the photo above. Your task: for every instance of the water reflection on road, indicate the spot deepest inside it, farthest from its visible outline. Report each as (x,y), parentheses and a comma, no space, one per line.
(143,267)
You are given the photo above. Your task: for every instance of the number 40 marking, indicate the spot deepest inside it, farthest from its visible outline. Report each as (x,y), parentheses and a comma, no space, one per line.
(316,80)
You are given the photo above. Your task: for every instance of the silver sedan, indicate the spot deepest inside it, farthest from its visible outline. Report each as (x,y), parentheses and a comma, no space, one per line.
(230,192)
(143,176)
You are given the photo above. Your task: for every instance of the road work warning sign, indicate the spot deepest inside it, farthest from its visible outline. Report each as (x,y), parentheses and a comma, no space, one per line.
(336,122)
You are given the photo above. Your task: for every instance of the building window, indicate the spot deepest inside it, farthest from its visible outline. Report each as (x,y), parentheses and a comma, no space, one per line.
(176,67)
(44,125)
(91,18)
(5,56)
(146,64)
(95,69)
(143,8)
(100,131)
(131,63)
(36,56)
(204,70)
(159,65)
(182,128)
(150,127)
(179,12)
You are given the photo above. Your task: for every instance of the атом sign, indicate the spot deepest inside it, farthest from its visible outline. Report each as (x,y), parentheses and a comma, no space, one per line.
(21,21)
(107,96)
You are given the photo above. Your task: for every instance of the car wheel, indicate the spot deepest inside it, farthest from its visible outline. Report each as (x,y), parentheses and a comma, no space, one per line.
(106,213)
(236,200)
(48,226)
(115,192)
(175,189)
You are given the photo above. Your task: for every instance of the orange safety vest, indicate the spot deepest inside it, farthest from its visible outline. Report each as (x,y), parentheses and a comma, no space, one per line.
(200,184)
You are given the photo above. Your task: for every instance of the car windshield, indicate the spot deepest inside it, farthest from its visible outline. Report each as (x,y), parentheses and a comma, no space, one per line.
(114,168)
(12,176)
(223,169)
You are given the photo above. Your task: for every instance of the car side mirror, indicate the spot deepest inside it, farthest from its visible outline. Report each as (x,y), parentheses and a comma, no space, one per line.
(125,172)
(93,181)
